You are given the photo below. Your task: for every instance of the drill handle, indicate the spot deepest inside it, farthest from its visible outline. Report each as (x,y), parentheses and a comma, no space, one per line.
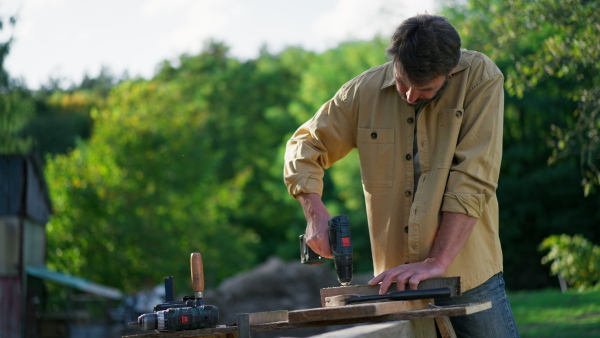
(197,274)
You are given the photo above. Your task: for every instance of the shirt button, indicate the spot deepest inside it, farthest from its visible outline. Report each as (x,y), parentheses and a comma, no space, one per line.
(406,229)
(373,135)
(408,157)
(459,113)
(410,120)
(408,193)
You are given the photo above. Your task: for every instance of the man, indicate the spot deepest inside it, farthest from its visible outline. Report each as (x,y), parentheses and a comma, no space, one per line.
(428,128)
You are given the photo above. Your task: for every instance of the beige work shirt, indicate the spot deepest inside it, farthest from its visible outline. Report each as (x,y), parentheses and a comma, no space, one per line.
(460,148)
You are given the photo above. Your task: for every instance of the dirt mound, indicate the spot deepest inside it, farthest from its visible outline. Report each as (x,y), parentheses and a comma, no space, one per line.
(275,285)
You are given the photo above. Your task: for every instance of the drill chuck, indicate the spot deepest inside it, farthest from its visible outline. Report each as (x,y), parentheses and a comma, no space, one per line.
(178,319)
(148,321)
(343,267)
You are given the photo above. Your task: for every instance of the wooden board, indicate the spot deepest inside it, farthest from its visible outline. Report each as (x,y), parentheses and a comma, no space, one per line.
(269,317)
(418,328)
(367,290)
(356,311)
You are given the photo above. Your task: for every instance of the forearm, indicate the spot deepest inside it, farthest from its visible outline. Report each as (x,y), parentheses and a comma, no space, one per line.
(453,232)
(311,204)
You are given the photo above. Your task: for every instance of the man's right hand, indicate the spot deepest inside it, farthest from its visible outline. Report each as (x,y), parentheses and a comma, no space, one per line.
(317,228)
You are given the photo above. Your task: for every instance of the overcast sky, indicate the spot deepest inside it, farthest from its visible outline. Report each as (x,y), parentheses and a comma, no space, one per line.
(67,38)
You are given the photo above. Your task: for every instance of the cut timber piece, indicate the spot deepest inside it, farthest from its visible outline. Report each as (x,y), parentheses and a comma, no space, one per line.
(268,317)
(366,290)
(418,328)
(356,311)
(445,327)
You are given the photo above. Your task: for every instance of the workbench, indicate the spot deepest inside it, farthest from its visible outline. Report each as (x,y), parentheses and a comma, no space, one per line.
(422,319)
(410,318)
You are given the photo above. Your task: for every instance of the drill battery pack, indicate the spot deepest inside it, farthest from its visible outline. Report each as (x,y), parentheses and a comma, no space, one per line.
(307,255)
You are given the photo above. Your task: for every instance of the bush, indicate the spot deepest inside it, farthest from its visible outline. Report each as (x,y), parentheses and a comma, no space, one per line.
(577,259)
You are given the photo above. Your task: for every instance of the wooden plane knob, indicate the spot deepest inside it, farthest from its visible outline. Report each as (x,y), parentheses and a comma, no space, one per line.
(197,272)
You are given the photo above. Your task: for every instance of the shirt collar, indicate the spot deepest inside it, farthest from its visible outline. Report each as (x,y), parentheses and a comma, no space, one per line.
(391,81)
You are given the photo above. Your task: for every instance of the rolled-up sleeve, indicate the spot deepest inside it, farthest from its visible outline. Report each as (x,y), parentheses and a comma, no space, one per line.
(473,177)
(316,145)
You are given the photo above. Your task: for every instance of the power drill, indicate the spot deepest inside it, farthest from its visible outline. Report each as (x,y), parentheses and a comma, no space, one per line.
(189,314)
(341,249)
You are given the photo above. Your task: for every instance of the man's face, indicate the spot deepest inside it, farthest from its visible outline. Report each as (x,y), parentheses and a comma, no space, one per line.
(416,95)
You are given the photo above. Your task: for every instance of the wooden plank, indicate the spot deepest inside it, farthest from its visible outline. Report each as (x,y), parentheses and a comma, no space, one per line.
(268,317)
(356,311)
(229,332)
(418,328)
(366,290)
(445,327)
(440,311)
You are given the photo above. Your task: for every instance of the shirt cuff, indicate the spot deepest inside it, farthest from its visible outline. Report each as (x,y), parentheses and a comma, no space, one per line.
(469,204)
(306,185)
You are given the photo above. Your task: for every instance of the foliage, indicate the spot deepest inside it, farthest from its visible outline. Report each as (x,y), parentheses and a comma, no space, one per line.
(582,139)
(550,42)
(569,51)
(536,200)
(576,258)
(143,194)
(165,174)
(16,109)
(15,106)
(550,313)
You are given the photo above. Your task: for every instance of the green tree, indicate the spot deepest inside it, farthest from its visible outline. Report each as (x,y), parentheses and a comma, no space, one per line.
(569,51)
(553,41)
(16,107)
(536,200)
(145,191)
(185,162)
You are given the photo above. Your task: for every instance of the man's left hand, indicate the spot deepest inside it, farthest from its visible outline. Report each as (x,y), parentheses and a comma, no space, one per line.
(411,274)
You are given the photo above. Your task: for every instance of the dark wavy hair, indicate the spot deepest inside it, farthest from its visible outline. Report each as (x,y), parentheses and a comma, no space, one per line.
(425,47)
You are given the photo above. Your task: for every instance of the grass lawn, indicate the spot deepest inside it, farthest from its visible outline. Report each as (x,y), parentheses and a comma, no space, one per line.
(550,313)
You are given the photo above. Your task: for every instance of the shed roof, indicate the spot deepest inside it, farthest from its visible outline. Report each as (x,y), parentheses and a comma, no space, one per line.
(23,189)
(75,282)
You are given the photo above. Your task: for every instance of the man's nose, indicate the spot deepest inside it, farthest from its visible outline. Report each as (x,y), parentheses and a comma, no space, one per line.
(412,95)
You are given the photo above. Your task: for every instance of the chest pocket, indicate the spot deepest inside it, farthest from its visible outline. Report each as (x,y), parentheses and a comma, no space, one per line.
(449,128)
(376,151)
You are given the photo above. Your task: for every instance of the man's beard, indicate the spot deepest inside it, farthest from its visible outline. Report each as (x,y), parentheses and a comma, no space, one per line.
(423,102)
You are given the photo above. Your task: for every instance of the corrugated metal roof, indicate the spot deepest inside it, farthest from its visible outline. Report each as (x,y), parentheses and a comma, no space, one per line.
(75,282)
(12,178)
